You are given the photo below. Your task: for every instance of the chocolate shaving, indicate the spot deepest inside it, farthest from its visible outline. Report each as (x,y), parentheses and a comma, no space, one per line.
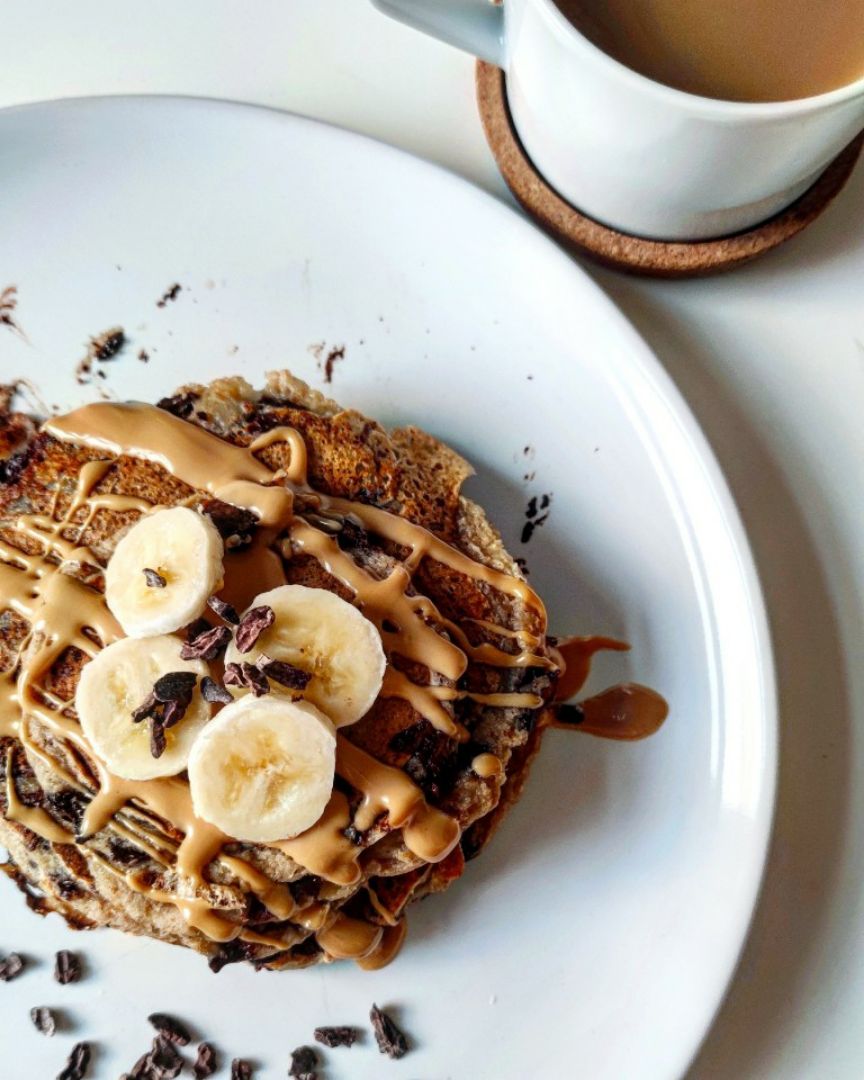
(224,610)
(249,676)
(170,1029)
(11,967)
(206,1063)
(174,713)
(77,1063)
(143,356)
(175,686)
(206,646)
(283,673)
(43,1020)
(241,1070)
(391,1041)
(252,626)
(154,578)
(304,1064)
(67,967)
(337,1036)
(213,692)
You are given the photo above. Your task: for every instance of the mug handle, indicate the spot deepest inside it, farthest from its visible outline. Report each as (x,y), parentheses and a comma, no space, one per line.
(477,26)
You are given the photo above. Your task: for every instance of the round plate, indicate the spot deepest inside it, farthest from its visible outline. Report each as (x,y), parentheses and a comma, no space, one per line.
(596,935)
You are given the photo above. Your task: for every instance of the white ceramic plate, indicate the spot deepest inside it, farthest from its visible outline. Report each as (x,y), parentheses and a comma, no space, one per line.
(595,937)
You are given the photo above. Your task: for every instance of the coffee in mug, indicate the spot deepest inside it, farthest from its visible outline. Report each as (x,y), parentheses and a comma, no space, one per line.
(734,50)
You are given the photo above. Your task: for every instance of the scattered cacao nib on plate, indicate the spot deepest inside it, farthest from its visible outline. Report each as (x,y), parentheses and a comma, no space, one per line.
(391,1041)
(283,673)
(247,675)
(77,1063)
(165,1062)
(106,345)
(252,626)
(11,967)
(67,967)
(154,578)
(224,610)
(336,1036)
(170,1028)
(304,1064)
(213,692)
(241,1070)
(207,645)
(206,1063)
(43,1020)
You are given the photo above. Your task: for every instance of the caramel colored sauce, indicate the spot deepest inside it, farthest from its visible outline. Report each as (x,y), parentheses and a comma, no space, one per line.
(64,610)
(574,656)
(625,712)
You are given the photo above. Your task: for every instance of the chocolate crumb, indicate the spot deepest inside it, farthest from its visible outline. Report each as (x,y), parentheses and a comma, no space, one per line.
(143,356)
(206,1063)
(284,673)
(235,525)
(170,1029)
(391,1041)
(213,692)
(247,675)
(206,646)
(241,1070)
(77,1063)
(169,295)
(522,564)
(67,967)
(106,345)
(8,303)
(154,578)
(336,1036)
(304,1064)
(337,353)
(11,967)
(175,686)
(224,610)
(43,1020)
(252,626)
(179,405)
(352,833)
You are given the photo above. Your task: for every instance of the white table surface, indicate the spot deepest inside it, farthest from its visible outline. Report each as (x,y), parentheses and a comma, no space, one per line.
(771,359)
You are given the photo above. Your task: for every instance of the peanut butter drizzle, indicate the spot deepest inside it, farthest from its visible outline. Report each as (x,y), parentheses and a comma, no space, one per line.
(574,656)
(387,949)
(60,608)
(349,939)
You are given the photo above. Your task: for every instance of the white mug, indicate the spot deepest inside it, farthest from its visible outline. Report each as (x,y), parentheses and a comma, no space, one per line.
(632,153)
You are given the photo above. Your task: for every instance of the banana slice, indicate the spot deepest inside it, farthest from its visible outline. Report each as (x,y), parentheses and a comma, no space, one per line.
(263,769)
(321,634)
(163,570)
(117,681)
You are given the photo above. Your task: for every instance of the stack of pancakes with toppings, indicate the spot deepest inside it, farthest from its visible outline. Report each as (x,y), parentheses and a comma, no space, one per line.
(268,677)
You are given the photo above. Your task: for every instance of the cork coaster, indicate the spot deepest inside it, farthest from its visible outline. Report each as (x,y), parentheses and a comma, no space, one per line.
(632,254)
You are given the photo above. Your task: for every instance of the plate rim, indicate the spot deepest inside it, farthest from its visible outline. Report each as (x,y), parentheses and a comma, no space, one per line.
(644,357)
